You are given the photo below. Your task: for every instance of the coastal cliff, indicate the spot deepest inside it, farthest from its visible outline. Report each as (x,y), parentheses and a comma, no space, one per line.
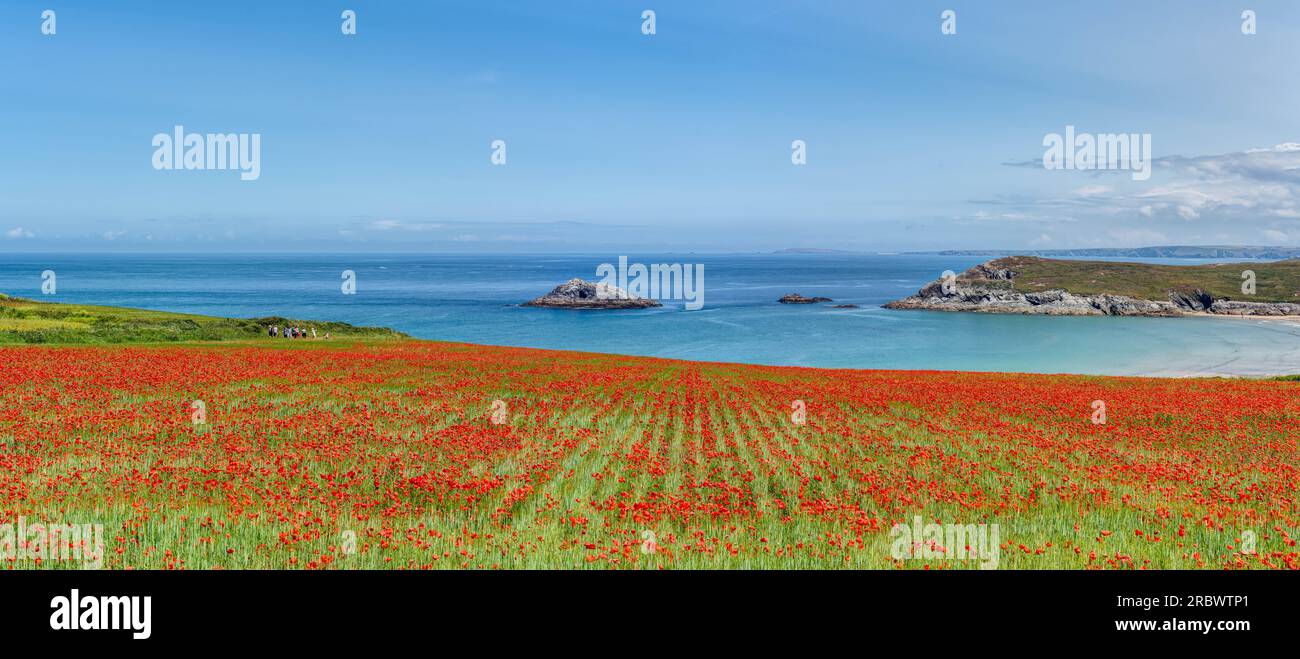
(1028,285)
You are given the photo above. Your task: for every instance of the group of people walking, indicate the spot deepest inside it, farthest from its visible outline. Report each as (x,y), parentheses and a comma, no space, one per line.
(290,332)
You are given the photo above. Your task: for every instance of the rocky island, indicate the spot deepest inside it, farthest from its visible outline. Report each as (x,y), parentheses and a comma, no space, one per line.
(795,298)
(582,294)
(1032,285)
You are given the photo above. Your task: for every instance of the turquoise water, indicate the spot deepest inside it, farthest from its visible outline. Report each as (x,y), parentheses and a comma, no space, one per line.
(475,299)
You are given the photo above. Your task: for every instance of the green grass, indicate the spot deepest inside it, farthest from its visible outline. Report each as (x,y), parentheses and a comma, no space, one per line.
(391,446)
(1277,281)
(25,321)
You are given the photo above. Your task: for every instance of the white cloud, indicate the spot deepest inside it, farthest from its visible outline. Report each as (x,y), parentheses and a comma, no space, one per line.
(18,233)
(394,225)
(1092,190)
(114,235)
(1234,195)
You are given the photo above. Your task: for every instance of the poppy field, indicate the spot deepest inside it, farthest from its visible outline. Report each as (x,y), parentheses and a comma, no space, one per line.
(422,455)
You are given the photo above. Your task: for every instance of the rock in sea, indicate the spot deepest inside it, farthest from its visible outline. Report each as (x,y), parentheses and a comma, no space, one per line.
(795,298)
(581,294)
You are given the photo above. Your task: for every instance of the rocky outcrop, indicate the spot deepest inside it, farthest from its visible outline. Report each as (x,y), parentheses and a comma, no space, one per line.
(1238,308)
(1052,303)
(581,294)
(985,289)
(988,271)
(1197,300)
(795,298)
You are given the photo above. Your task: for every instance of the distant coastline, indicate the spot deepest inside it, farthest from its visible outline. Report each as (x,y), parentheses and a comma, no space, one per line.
(1160,252)
(1154,252)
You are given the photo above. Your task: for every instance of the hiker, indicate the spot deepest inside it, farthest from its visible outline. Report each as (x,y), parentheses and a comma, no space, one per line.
(313,332)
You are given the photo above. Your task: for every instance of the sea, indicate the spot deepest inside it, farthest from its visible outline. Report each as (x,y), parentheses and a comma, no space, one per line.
(477,298)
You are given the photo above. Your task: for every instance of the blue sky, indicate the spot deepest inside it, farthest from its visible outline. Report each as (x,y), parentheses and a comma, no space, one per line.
(621,141)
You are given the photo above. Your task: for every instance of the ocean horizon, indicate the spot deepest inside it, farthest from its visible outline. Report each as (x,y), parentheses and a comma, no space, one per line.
(476,299)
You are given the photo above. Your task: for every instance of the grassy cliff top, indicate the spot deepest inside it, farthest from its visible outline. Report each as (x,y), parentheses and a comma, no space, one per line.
(1277,281)
(31,321)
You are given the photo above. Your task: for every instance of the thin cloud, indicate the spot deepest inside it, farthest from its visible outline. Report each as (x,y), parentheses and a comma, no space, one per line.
(1235,193)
